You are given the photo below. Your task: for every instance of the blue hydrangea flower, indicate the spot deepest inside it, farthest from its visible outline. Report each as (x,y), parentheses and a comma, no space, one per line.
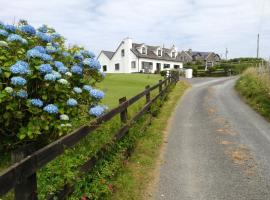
(77,90)
(41,49)
(51,109)
(92,63)
(44,37)
(30,30)
(58,64)
(75,69)
(98,94)
(65,54)
(62,70)
(50,77)
(20,67)
(45,69)
(86,53)
(56,35)
(36,102)
(17,80)
(78,56)
(16,38)
(43,29)
(56,74)
(97,110)
(72,102)
(3,33)
(51,49)
(34,53)
(10,28)
(22,94)
(88,88)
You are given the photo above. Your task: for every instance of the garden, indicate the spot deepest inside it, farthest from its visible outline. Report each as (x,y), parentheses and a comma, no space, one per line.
(47,91)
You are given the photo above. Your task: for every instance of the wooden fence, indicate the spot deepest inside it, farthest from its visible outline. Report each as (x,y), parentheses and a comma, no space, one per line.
(22,175)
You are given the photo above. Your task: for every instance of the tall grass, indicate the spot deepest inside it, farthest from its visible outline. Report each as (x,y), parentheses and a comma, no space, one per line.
(254,86)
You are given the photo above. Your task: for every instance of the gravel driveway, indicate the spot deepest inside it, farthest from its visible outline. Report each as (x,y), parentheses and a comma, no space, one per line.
(217,148)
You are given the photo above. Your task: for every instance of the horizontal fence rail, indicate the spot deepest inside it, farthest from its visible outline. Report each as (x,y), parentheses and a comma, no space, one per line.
(22,175)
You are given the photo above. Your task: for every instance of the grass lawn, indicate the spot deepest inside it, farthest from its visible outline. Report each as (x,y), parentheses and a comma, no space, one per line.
(117,86)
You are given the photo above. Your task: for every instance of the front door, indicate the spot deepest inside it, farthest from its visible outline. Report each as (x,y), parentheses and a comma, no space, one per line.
(158,67)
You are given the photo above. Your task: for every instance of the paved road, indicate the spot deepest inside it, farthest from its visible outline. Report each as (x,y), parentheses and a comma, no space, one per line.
(217,148)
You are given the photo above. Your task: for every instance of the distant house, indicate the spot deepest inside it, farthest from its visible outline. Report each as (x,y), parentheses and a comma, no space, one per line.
(132,57)
(209,59)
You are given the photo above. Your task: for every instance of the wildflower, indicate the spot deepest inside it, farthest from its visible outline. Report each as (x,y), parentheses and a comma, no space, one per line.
(75,69)
(44,37)
(63,81)
(17,80)
(3,44)
(40,49)
(68,74)
(64,117)
(50,77)
(10,28)
(98,94)
(22,94)
(88,88)
(72,102)
(16,38)
(3,33)
(92,63)
(51,109)
(97,110)
(78,56)
(20,67)
(45,69)
(30,30)
(77,90)
(43,29)
(9,90)
(36,102)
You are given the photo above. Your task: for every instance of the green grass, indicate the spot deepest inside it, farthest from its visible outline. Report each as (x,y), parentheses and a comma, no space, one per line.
(134,179)
(117,86)
(254,87)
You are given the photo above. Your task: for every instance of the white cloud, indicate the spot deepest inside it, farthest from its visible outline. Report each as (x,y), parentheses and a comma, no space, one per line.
(205,25)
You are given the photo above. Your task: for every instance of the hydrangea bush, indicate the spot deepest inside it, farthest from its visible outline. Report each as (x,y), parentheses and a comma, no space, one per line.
(44,84)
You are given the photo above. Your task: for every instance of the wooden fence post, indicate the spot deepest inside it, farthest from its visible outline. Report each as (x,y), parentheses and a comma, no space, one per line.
(160,86)
(147,94)
(27,189)
(123,114)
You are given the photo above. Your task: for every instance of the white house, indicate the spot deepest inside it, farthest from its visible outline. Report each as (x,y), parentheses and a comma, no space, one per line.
(131,57)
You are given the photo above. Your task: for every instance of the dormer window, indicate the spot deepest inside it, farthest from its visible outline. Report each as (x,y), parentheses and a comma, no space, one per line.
(123,52)
(159,52)
(143,50)
(173,54)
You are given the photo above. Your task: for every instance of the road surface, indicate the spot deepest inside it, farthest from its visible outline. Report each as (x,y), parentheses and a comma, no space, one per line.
(217,147)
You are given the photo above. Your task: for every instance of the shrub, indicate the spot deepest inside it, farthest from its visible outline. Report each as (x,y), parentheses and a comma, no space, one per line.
(163,73)
(44,85)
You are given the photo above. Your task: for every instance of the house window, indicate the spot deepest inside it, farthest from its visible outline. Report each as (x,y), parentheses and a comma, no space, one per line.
(166,66)
(117,67)
(104,68)
(143,50)
(159,52)
(173,54)
(123,52)
(133,64)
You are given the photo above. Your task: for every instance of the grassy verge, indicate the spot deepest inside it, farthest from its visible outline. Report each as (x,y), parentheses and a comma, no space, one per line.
(133,179)
(254,87)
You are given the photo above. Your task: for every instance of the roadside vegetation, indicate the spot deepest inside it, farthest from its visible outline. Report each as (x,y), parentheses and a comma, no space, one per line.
(254,87)
(224,68)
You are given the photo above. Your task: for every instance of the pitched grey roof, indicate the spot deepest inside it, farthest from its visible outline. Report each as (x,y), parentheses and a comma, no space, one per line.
(109,54)
(199,53)
(151,55)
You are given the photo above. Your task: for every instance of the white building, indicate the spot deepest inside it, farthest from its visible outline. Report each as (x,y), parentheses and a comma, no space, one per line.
(131,57)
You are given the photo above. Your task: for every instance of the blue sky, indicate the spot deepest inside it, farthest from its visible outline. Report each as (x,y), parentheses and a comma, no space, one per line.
(202,25)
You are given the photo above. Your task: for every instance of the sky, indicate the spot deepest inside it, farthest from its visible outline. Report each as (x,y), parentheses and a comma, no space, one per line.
(200,25)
